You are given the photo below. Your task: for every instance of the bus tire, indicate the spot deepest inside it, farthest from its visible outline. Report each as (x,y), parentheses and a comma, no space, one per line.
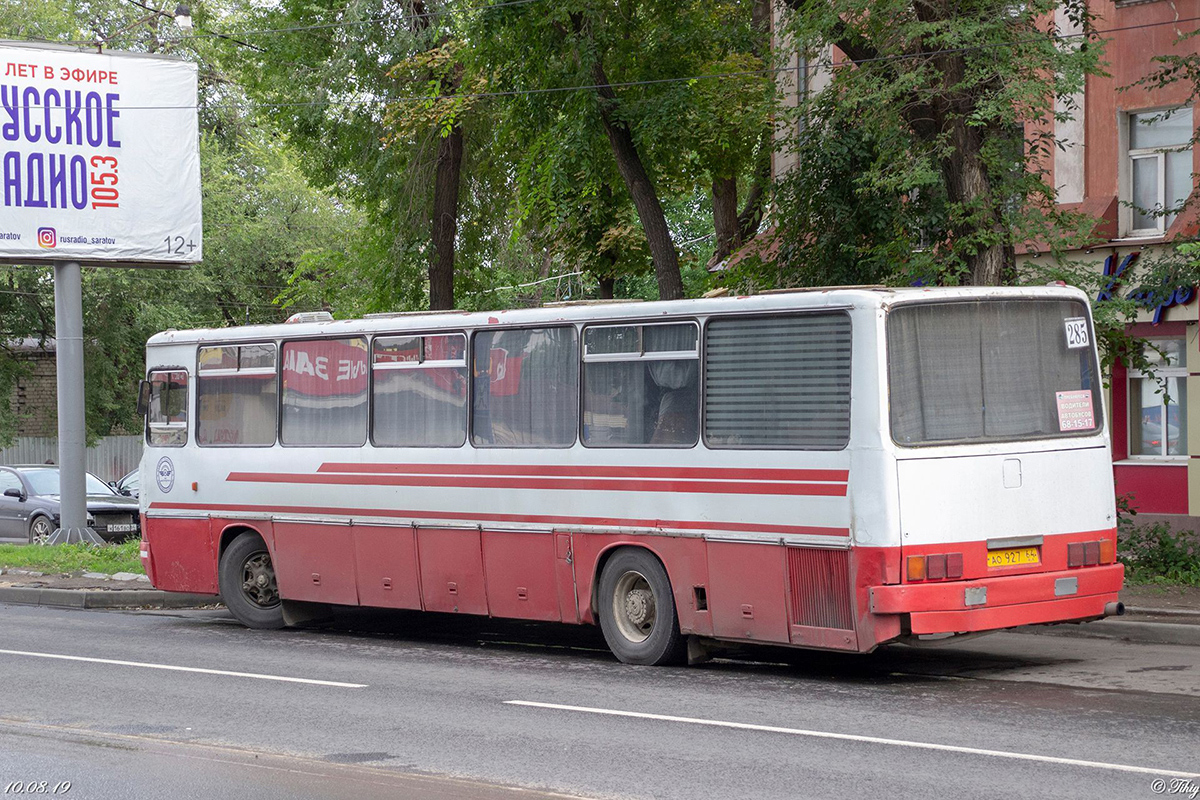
(247,581)
(637,610)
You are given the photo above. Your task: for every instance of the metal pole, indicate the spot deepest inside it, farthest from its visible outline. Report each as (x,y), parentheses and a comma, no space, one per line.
(68,335)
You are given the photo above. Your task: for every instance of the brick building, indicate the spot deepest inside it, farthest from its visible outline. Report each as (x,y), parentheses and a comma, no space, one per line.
(34,398)
(1122,159)
(1125,158)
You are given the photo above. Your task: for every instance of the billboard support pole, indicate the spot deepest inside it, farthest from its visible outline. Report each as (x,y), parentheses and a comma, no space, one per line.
(68,334)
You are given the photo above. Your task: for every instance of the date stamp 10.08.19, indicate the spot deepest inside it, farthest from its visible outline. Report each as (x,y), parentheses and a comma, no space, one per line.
(37,787)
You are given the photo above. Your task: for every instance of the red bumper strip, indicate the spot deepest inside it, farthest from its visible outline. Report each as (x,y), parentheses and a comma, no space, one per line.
(1064,609)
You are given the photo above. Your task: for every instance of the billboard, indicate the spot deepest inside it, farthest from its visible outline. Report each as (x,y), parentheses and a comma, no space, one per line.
(99,157)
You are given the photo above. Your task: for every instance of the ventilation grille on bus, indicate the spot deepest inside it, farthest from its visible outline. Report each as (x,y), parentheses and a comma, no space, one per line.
(820,583)
(778,382)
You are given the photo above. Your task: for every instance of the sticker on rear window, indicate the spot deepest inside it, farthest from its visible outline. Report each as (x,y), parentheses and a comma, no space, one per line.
(1077,332)
(1075,410)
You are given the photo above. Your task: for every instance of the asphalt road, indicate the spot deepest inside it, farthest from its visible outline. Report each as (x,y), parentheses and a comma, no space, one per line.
(422,706)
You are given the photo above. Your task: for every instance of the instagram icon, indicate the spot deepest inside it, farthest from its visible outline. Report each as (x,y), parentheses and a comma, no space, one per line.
(47,237)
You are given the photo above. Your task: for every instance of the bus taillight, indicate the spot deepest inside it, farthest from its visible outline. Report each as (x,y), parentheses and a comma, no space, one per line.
(935,567)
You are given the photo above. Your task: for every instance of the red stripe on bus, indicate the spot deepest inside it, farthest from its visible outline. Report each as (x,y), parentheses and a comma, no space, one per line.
(607,522)
(575,484)
(721,473)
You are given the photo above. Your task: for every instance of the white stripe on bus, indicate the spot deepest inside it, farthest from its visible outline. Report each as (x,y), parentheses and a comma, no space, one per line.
(849,737)
(172,667)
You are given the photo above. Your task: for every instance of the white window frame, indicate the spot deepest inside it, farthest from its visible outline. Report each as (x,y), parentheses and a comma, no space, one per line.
(1126,174)
(1160,375)
(1160,221)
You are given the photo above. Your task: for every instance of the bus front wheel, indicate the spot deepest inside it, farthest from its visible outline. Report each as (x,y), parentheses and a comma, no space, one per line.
(637,610)
(247,580)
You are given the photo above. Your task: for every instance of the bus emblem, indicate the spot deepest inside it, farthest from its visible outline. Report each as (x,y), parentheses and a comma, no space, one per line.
(164,474)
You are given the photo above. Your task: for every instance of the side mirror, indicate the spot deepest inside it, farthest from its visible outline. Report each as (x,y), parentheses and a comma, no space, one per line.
(143,401)
(17,493)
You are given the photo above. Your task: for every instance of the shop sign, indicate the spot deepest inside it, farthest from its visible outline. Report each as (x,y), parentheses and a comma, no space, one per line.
(1180,296)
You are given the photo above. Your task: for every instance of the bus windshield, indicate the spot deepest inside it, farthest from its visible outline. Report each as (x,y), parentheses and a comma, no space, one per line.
(991,370)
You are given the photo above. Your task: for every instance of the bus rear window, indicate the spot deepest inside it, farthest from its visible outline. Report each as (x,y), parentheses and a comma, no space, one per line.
(991,370)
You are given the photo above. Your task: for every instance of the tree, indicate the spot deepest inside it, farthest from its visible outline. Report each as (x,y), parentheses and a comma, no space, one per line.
(943,92)
(637,69)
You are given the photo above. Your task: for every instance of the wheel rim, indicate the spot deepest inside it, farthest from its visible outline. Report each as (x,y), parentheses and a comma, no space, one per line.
(634,607)
(41,529)
(258,580)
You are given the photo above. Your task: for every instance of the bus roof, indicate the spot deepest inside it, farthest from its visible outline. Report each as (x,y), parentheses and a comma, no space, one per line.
(851,297)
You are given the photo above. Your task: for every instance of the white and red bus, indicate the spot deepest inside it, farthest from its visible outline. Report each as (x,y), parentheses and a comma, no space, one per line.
(827,469)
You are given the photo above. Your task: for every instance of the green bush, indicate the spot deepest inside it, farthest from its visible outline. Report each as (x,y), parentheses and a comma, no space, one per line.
(1156,554)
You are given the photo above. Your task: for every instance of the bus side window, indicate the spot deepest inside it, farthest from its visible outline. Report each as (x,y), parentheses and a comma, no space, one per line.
(325,392)
(419,393)
(641,385)
(236,395)
(526,388)
(778,382)
(166,419)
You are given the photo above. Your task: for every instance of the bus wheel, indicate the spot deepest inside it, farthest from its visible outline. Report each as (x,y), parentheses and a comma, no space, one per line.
(637,610)
(248,585)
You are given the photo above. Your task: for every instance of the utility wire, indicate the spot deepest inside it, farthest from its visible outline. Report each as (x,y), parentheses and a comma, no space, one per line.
(650,82)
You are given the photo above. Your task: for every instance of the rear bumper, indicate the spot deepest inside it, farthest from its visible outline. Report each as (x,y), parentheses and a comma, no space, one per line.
(1006,602)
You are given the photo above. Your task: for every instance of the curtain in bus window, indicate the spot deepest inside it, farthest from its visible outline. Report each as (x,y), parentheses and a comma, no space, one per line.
(423,403)
(986,370)
(781,381)
(526,388)
(641,401)
(166,419)
(325,392)
(236,409)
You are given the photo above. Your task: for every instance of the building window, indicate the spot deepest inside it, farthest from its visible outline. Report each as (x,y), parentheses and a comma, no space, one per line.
(641,385)
(1160,168)
(236,395)
(1157,419)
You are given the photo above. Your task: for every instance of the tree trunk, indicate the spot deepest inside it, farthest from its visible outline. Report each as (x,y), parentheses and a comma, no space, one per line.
(445,219)
(968,185)
(725,217)
(608,286)
(645,198)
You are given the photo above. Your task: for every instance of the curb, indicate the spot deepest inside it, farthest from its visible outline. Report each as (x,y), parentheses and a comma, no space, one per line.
(1125,630)
(110,598)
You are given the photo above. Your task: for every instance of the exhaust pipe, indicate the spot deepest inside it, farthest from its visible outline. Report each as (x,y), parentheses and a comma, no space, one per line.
(1114,609)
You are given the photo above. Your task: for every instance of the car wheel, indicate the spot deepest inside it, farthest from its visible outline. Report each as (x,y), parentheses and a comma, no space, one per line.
(637,610)
(248,586)
(40,529)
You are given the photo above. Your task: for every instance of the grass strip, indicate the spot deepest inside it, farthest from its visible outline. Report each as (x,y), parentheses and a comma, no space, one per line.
(59,558)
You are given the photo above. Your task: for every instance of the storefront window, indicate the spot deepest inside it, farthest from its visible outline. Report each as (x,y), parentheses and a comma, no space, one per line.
(1157,403)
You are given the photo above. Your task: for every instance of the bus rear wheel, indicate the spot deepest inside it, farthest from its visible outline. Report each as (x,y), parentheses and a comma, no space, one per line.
(637,610)
(248,586)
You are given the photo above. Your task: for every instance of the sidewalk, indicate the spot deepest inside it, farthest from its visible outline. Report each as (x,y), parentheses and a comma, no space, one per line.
(92,590)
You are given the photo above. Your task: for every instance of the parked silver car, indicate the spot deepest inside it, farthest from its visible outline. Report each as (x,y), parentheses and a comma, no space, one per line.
(29,505)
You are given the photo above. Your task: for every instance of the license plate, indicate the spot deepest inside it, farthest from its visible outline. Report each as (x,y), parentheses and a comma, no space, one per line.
(127,528)
(1013,556)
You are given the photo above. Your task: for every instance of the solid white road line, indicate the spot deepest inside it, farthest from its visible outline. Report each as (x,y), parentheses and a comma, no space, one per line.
(174,668)
(848,737)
